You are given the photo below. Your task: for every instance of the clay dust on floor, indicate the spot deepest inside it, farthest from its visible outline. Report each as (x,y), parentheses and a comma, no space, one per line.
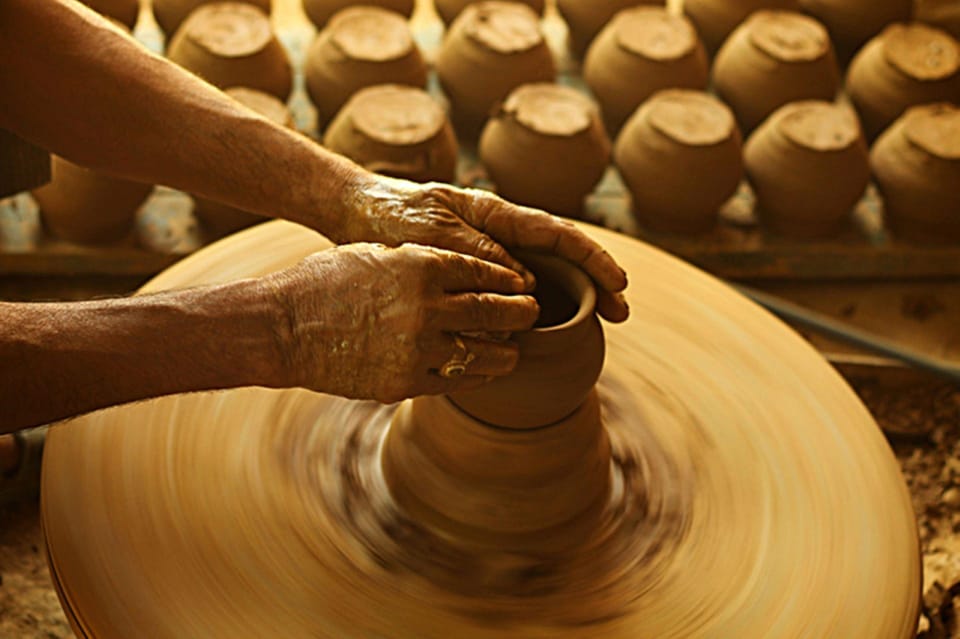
(29,608)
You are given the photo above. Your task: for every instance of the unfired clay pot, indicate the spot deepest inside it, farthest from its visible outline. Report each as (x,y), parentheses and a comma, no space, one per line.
(641,51)
(680,156)
(123,11)
(546,148)
(533,439)
(170,14)
(320,11)
(940,13)
(907,64)
(360,47)
(448,10)
(773,58)
(491,49)
(916,163)
(716,19)
(852,22)
(586,18)
(808,166)
(219,219)
(231,44)
(88,207)
(396,130)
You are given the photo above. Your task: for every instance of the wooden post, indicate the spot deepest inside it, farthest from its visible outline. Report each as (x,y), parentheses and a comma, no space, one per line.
(22,165)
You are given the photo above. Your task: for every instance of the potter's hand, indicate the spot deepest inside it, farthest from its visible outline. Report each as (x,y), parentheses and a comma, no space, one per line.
(477,223)
(369,322)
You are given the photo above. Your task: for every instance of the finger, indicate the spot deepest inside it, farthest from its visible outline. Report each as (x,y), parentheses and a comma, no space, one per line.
(470,241)
(612,307)
(486,313)
(460,273)
(477,357)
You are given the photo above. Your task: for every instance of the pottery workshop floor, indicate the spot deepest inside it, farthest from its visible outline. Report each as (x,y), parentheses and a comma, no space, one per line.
(29,608)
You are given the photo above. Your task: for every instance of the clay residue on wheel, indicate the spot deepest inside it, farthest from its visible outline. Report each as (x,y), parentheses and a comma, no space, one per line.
(230,29)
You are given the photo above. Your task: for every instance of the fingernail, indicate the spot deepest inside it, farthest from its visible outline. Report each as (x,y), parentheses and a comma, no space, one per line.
(529,281)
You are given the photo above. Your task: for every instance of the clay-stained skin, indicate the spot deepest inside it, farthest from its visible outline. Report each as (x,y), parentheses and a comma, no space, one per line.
(753,496)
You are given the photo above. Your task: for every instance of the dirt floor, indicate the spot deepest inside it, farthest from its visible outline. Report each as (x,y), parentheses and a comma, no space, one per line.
(930,458)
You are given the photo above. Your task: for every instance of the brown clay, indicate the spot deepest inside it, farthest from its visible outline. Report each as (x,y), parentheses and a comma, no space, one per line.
(808,166)
(586,18)
(320,11)
(398,131)
(944,14)
(360,47)
(491,49)
(680,155)
(852,22)
(739,486)
(218,219)
(125,12)
(641,51)
(716,19)
(448,10)
(546,148)
(916,163)
(773,58)
(231,44)
(170,14)
(87,207)
(906,65)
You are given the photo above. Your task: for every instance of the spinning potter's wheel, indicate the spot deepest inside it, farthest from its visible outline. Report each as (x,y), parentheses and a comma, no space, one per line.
(736,489)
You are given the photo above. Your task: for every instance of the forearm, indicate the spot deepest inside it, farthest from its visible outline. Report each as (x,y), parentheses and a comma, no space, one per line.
(60,360)
(73,84)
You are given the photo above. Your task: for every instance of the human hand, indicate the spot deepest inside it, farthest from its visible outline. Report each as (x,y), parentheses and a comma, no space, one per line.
(369,322)
(478,223)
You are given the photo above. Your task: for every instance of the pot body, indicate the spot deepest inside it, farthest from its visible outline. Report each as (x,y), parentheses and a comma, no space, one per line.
(774,58)
(716,19)
(808,166)
(586,18)
(680,156)
(398,131)
(170,14)
(905,65)
(320,11)
(852,23)
(448,10)
(232,44)
(360,47)
(546,148)
(916,163)
(643,50)
(88,207)
(491,49)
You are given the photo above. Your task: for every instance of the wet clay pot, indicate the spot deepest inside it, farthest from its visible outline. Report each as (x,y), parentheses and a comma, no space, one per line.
(448,10)
(320,11)
(491,49)
(231,44)
(641,51)
(398,131)
(852,22)
(88,207)
(773,58)
(716,19)
(125,12)
(808,165)
(170,14)
(546,148)
(916,163)
(586,18)
(944,14)
(218,219)
(680,156)
(360,47)
(906,65)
